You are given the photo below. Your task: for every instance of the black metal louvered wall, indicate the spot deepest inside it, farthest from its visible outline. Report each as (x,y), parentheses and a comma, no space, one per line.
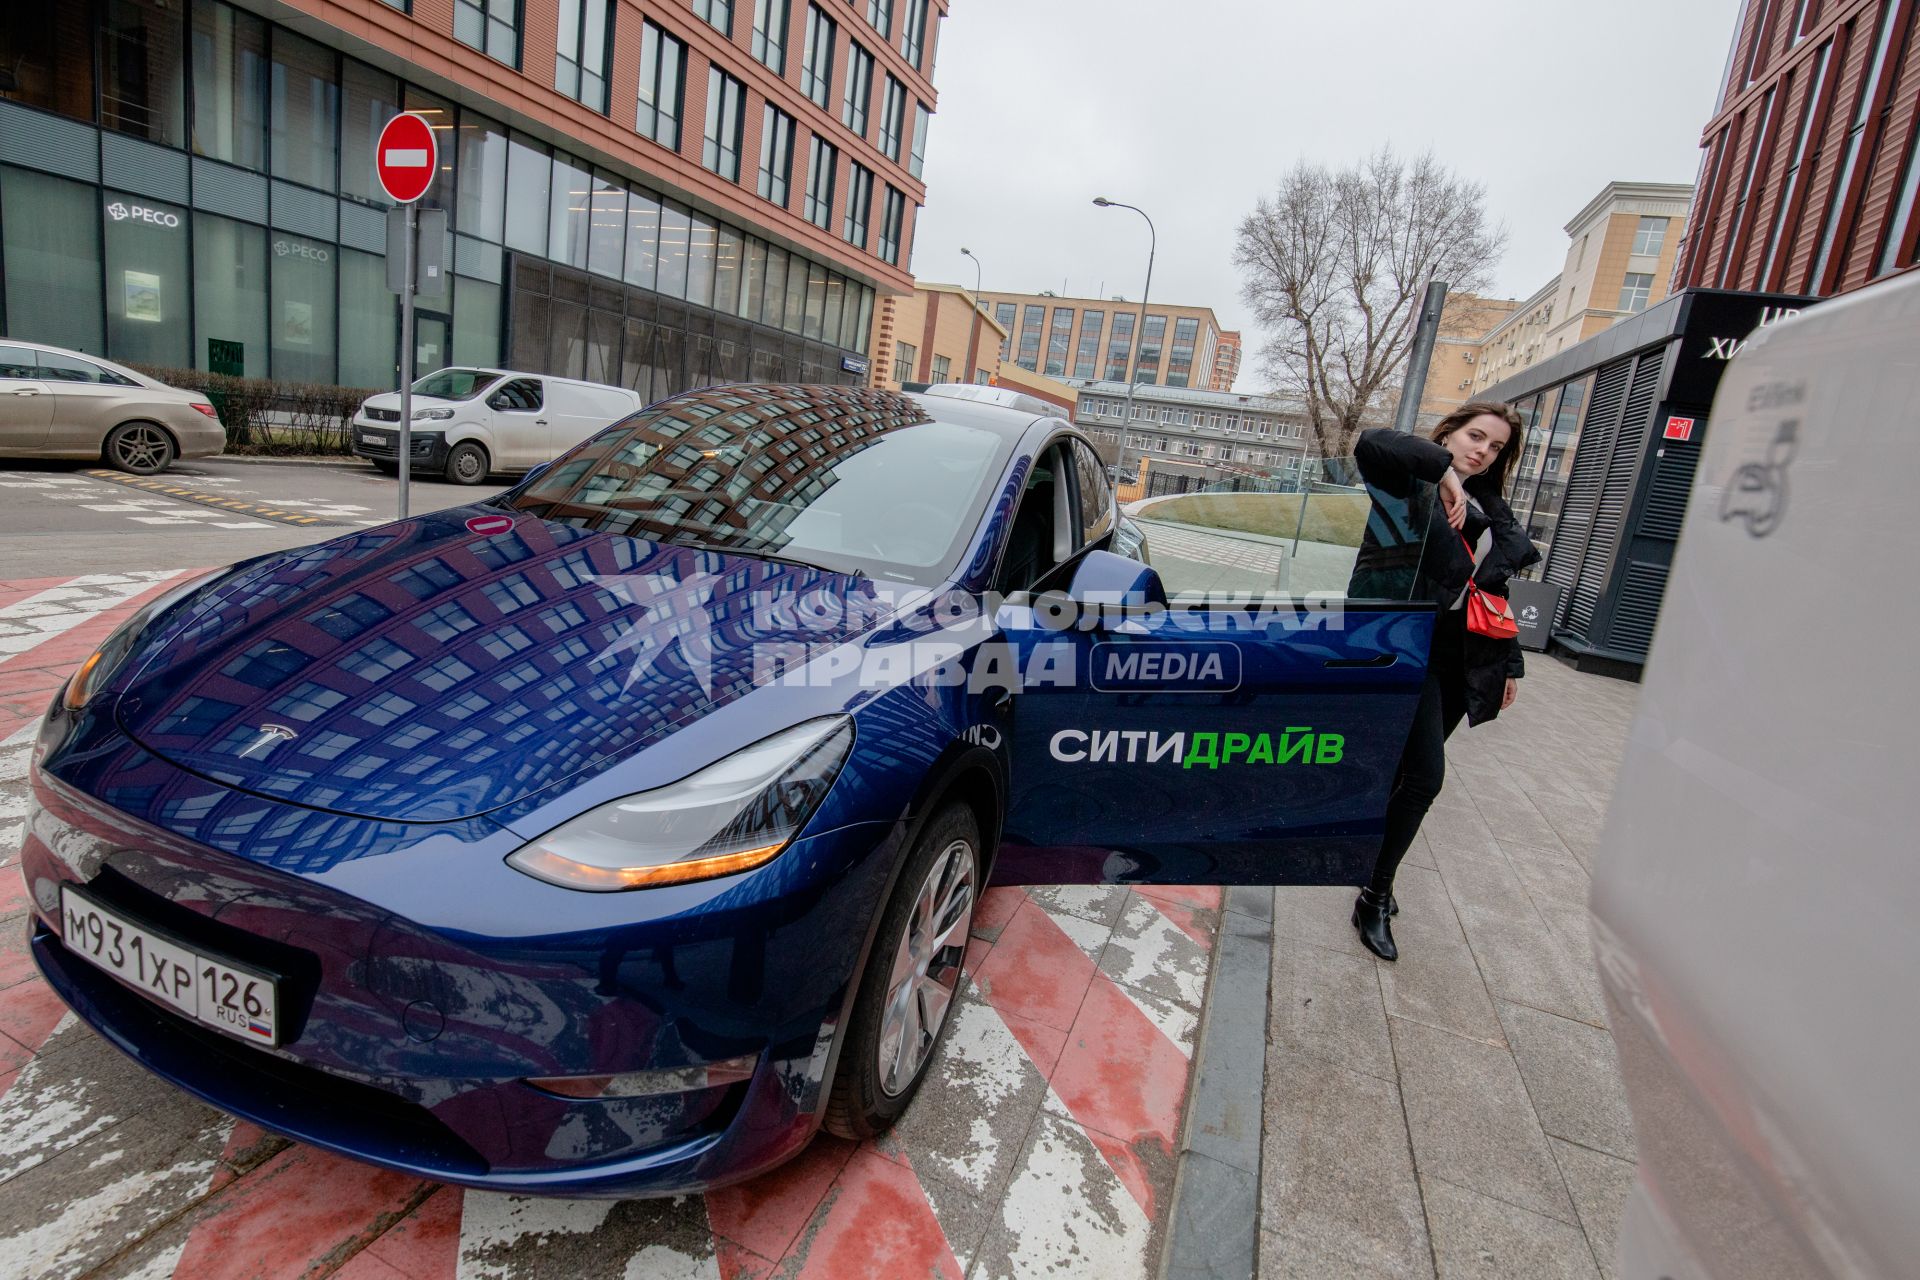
(1585,479)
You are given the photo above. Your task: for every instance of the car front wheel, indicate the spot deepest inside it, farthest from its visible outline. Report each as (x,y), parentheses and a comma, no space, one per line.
(467,463)
(911,979)
(140,448)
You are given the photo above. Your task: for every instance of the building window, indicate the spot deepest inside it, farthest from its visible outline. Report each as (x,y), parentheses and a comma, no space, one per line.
(903,357)
(1650,238)
(1059,334)
(913,30)
(942,369)
(230,289)
(301,310)
(142,69)
(306,99)
(917,157)
(1147,368)
(718,14)
(1186,331)
(859,95)
(880,17)
(1634,291)
(585,49)
(1087,356)
(776,155)
(491,26)
(1119,346)
(663,63)
(983,376)
(146,260)
(371,99)
(859,204)
(893,219)
(726,106)
(893,113)
(816,67)
(1031,319)
(529,175)
(770,33)
(823,159)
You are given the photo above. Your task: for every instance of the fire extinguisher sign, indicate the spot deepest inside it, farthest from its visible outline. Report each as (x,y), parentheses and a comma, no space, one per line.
(1679,428)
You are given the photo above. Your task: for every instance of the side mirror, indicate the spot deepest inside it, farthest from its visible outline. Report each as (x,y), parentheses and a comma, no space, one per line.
(1105,578)
(496,401)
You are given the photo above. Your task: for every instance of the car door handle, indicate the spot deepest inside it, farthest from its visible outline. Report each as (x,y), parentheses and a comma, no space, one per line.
(539,422)
(1377,660)
(27,391)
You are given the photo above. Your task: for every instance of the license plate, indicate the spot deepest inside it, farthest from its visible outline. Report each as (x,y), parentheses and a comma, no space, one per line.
(367,437)
(236,998)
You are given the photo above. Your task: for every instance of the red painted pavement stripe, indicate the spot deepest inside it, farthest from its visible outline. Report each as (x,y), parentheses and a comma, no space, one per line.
(424,1245)
(293,1215)
(1118,1074)
(875,1222)
(29,1011)
(765,1216)
(14,590)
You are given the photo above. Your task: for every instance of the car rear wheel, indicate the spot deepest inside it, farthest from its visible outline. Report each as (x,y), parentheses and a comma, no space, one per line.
(911,979)
(140,448)
(467,463)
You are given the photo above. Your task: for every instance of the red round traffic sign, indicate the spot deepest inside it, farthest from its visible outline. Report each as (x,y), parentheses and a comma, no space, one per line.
(406,157)
(487,526)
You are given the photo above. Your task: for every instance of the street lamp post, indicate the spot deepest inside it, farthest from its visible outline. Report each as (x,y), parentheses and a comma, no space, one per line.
(1133,357)
(978,311)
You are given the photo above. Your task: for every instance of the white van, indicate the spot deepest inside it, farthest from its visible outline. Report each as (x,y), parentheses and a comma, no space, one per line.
(468,423)
(1757,886)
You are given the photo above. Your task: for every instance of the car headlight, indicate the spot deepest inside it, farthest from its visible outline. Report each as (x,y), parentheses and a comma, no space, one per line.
(732,816)
(432,415)
(102,663)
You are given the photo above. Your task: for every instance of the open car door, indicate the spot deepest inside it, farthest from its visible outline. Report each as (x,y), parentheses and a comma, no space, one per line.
(1230,714)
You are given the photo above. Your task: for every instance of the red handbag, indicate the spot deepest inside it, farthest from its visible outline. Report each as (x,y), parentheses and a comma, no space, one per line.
(1487,614)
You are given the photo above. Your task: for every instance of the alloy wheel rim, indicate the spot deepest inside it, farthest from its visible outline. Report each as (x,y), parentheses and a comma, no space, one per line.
(142,448)
(926,968)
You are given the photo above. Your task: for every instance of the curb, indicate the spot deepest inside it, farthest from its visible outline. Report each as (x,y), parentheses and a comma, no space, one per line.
(1215,1217)
(345,464)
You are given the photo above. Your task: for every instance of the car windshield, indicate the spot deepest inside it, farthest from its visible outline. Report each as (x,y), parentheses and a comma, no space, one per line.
(847,479)
(455,384)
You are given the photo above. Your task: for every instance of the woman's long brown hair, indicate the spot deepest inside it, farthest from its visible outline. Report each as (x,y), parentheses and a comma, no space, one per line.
(1496,475)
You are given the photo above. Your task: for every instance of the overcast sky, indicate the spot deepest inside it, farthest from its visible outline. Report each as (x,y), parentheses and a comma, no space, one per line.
(1193,109)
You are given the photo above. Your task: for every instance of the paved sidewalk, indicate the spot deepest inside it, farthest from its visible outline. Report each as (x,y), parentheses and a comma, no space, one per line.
(1459,1113)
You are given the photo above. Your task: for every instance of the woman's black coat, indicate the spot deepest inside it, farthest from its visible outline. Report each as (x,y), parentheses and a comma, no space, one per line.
(1406,468)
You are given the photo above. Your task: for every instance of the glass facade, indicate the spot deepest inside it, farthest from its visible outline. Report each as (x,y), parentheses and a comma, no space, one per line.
(274,241)
(1119,346)
(1088,354)
(1059,336)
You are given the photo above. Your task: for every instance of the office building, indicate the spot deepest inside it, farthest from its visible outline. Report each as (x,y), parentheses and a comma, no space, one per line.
(1226,361)
(1086,339)
(1186,438)
(936,334)
(1620,253)
(1809,169)
(661,197)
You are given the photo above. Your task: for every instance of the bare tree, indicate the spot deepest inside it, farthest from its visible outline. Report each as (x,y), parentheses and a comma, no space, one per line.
(1336,265)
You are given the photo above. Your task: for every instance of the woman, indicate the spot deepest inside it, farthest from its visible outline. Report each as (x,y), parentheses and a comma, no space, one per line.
(1469,675)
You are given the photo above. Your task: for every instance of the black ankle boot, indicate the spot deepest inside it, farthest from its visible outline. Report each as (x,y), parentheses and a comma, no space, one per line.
(1393,905)
(1370,918)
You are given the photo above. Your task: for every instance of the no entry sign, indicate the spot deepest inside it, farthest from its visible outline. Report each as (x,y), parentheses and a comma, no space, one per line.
(407,158)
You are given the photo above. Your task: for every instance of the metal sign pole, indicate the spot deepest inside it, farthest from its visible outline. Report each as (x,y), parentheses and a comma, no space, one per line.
(406,360)
(1415,386)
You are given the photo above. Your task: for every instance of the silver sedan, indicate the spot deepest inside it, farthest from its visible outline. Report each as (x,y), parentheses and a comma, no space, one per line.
(66,404)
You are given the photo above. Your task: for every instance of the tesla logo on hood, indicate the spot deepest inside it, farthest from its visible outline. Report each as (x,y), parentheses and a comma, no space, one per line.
(270,735)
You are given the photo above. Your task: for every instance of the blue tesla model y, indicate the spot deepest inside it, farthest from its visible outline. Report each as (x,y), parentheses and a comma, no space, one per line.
(612,835)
